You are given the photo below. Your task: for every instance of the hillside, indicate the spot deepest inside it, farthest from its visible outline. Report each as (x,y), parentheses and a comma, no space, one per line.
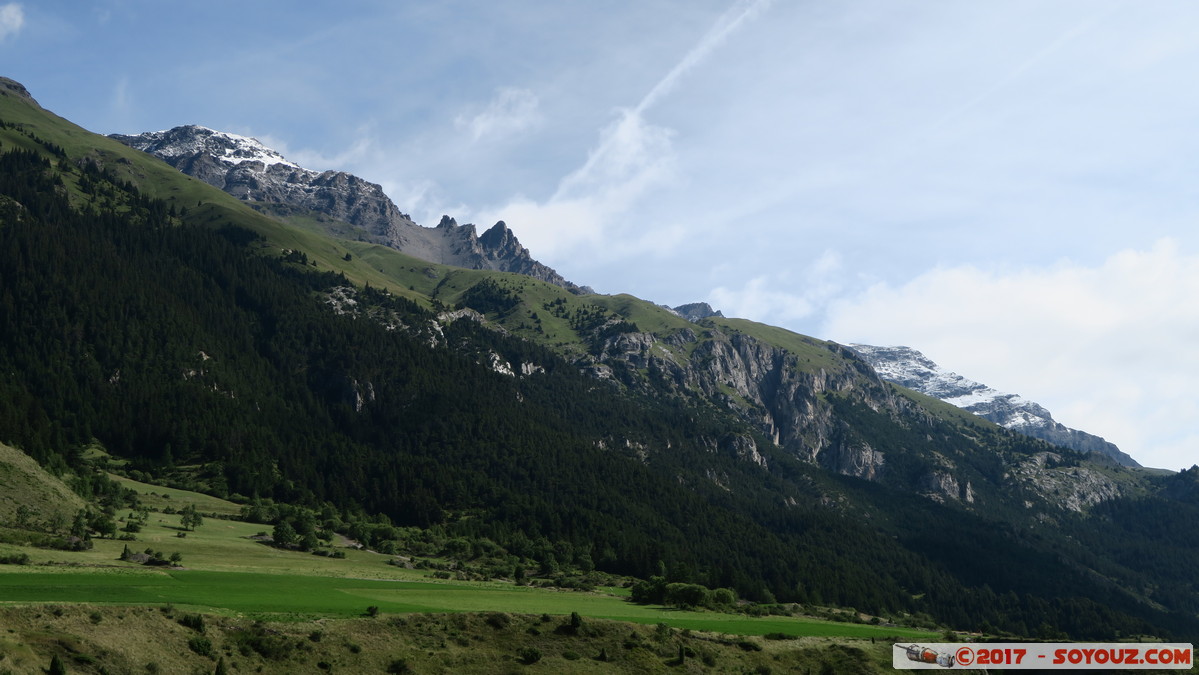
(195,338)
(29,493)
(88,638)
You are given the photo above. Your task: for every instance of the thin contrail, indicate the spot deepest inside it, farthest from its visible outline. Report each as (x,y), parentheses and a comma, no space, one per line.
(728,22)
(1079,29)
(724,26)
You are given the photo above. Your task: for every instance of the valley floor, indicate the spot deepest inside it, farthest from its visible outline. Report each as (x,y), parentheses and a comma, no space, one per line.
(236,604)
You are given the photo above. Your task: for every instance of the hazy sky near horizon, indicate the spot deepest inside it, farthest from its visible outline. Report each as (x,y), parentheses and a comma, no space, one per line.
(1008,186)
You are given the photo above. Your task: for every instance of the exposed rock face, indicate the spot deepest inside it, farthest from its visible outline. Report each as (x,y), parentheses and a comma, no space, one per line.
(909,368)
(248,170)
(1073,488)
(766,386)
(744,448)
(943,485)
(696,310)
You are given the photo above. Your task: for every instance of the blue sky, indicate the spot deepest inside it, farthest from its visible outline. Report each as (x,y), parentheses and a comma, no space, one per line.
(1010,187)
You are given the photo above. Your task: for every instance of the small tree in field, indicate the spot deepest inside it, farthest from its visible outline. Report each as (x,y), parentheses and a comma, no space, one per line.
(284,535)
(190,518)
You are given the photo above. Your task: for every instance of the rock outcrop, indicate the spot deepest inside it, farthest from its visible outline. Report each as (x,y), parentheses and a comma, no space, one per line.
(14,88)
(696,311)
(764,385)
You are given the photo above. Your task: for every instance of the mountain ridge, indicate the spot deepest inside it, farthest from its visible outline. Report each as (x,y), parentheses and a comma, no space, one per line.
(249,170)
(912,369)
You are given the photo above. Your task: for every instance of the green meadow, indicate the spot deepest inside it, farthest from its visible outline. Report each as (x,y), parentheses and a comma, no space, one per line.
(303,596)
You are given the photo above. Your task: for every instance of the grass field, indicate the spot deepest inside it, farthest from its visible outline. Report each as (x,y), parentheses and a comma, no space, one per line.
(300,596)
(226,570)
(159,497)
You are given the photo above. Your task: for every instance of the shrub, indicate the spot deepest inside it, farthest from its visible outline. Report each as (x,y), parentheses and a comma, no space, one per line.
(687,595)
(498,620)
(257,639)
(723,596)
(529,655)
(200,645)
(193,621)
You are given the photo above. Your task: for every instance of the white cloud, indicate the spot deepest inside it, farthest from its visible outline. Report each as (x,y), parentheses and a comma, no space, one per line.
(1109,349)
(631,158)
(12,19)
(511,111)
(592,204)
(759,300)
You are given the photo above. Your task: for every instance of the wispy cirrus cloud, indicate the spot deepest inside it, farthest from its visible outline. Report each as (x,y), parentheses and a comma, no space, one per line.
(509,112)
(12,19)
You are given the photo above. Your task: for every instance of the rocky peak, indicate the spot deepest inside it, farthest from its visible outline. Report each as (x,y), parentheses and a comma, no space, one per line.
(909,368)
(13,88)
(187,141)
(249,170)
(696,311)
(498,237)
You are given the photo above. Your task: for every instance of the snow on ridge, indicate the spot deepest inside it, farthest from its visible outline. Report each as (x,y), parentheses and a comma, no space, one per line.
(910,368)
(230,148)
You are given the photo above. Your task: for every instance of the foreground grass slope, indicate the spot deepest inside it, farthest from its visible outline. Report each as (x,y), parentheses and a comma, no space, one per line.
(23,483)
(170,640)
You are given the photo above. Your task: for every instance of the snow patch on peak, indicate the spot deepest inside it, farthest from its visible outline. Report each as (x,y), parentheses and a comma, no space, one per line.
(229,148)
(909,368)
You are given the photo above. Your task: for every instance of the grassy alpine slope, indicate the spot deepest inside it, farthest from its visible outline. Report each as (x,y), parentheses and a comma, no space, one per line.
(23,483)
